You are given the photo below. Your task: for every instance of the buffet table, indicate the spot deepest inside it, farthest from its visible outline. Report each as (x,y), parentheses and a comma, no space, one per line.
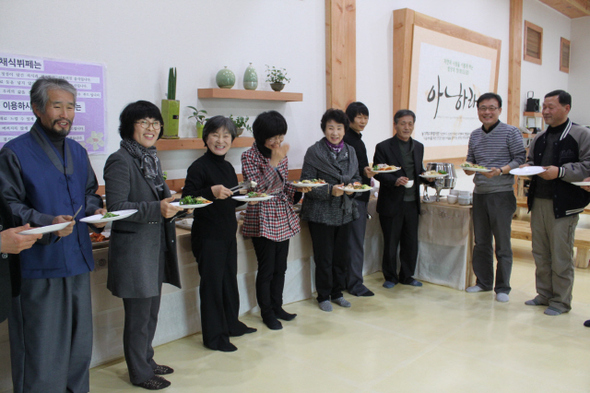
(179,312)
(445,245)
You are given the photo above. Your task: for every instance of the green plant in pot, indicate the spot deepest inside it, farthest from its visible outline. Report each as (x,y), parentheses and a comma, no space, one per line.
(171,108)
(199,116)
(277,77)
(241,123)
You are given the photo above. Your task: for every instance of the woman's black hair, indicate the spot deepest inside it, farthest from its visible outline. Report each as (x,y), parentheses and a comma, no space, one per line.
(217,122)
(267,125)
(334,114)
(356,108)
(137,111)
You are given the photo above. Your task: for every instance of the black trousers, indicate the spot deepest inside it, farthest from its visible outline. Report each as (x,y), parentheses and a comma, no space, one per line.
(402,231)
(50,329)
(330,254)
(141,319)
(270,279)
(220,298)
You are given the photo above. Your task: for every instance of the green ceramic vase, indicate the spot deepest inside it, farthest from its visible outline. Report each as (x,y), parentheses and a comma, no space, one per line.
(225,78)
(250,78)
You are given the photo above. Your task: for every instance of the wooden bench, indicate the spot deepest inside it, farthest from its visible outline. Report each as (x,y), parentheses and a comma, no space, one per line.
(522,230)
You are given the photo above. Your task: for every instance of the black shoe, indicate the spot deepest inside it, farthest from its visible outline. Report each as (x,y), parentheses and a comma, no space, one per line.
(272,323)
(587,323)
(246,330)
(154,383)
(226,347)
(367,293)
(284,315)
(163,370)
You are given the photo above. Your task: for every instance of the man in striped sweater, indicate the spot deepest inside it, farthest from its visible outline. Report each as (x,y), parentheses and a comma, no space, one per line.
(498,147)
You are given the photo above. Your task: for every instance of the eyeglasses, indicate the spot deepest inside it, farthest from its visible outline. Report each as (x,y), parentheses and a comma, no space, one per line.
(487,108)
(146,124)
(275,139)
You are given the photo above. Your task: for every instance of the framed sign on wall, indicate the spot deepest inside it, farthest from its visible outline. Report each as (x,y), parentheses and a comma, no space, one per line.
(440,70)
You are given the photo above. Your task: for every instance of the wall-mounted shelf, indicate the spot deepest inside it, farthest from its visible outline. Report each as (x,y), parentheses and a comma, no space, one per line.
(238,94)
(197,143)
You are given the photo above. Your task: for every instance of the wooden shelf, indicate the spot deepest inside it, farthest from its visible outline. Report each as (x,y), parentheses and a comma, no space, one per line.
(238,94)
(197,143)
(532,114)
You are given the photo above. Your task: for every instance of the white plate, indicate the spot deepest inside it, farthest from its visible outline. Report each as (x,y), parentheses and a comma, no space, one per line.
(198,206)
(581,183)
(468,168)
(387,171)
(46,229)
(527,171)
(312,185)
(434,176)
(97,218)
(244,198)
(353,190)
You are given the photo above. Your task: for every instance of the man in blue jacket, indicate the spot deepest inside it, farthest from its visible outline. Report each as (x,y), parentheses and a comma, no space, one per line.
(563,150)
(45,178)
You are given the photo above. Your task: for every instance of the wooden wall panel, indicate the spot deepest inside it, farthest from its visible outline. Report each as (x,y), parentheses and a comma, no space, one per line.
(514,63)
(340,53)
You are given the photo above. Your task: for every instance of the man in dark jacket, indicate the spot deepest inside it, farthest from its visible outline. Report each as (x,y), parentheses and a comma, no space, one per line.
(11,244)
(563,150)
(399,200)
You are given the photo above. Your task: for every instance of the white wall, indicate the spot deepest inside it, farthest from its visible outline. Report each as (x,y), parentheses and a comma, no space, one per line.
(546,77)
(579,83)
(138,41)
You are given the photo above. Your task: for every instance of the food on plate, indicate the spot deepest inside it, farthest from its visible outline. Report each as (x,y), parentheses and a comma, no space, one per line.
(357,186)
(384,167)
(435,173)
(110,215)
(253,194)
(97,237)
(191,200)
(470,165)
(313,181)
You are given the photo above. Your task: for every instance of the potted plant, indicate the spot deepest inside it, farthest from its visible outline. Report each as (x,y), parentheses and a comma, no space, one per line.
(241,123)
(199,116)
(277,77)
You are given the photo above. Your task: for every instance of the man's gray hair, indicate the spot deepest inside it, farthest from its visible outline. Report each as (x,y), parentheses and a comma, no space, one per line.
(41,87)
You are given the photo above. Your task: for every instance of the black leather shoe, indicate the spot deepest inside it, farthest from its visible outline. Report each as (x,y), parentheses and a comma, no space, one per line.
(154,383)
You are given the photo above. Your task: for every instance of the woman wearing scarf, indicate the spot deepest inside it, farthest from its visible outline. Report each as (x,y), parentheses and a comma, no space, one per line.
(213,237)
(142,250)
(271,223)
(329,210)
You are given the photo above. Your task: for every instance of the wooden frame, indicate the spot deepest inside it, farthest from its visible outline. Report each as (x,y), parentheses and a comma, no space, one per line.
(404,21)
(564,55)
(514,64)
(409,28)
(533,43)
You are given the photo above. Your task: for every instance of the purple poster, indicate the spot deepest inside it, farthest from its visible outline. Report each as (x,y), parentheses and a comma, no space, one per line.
(17,75)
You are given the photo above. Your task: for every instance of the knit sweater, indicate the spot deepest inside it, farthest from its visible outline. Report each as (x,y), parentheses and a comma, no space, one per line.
(501,146)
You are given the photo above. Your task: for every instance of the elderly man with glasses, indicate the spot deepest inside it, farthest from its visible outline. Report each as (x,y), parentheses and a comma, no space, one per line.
(499,148)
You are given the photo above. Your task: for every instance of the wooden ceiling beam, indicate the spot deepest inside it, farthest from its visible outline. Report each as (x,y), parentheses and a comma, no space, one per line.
(570,8)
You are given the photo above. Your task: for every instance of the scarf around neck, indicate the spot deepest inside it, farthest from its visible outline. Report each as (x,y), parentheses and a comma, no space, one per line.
(335,148)
(149,162)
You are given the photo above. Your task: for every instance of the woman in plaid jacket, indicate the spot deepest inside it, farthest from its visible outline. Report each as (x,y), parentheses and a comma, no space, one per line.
(271,223)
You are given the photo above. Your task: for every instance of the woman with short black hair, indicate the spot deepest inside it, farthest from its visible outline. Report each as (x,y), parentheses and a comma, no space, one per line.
(142,249)
(213,236)
(271,223)
(329,210)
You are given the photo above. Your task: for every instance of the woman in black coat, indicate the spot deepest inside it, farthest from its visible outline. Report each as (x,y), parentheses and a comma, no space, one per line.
(142,250)
(213,237)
